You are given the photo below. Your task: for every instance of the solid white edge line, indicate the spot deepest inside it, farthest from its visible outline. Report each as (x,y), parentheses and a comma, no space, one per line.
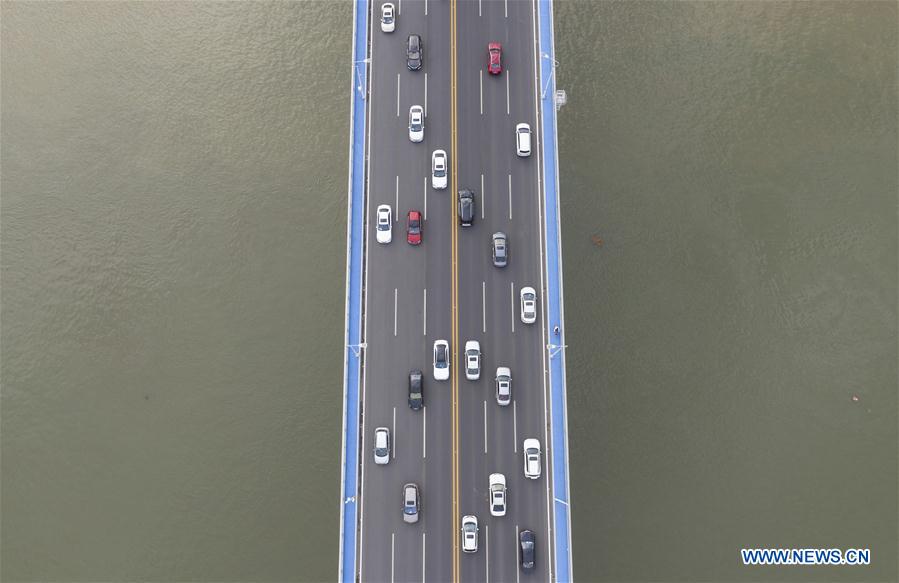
(540,226)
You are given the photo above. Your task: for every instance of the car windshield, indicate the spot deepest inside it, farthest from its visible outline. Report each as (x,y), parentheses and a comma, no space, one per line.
(381,451)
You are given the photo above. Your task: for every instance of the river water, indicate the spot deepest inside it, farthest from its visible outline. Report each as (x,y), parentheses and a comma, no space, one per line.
(172,212)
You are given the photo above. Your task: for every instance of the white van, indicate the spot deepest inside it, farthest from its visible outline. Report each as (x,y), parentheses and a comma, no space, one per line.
(523,139)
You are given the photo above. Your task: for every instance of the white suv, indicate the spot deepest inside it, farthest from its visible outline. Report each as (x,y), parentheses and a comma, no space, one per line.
(531,458)
(472,360)
(438,170)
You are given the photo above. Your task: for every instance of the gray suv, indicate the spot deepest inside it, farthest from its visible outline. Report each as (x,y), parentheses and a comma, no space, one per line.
(413,52)
(500,250)
(466,207)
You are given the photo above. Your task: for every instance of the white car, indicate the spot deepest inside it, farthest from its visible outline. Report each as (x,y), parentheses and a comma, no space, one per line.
(531,458)
(528,305)
(497,495)
(503,386)
(469,533)
(416,123)
(438,170)
(441,360)
(388,17)
(523,139)
(472,360)
(384,234)
(382,446)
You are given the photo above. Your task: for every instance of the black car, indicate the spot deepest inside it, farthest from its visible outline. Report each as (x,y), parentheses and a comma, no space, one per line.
(500,250)
(527,542)
(413,52)
(466,207)
(416,397)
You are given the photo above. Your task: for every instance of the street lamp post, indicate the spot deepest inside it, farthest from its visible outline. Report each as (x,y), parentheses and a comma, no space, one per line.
(551,75)
(360,85)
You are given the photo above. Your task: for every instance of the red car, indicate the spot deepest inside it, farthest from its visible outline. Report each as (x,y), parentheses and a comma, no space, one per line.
(413,228)
(495,61)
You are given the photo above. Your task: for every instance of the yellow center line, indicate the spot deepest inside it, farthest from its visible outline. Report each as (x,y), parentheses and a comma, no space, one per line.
(455,327)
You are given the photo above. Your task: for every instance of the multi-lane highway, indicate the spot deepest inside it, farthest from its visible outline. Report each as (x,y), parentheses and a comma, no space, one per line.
(448,288)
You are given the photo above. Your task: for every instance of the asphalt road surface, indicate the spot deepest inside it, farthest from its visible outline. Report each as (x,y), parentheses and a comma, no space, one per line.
(447,288)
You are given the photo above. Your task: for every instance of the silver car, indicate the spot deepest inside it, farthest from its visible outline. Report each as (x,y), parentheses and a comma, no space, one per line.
(411,503)
(500,250)
(416,123)
(503,386)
